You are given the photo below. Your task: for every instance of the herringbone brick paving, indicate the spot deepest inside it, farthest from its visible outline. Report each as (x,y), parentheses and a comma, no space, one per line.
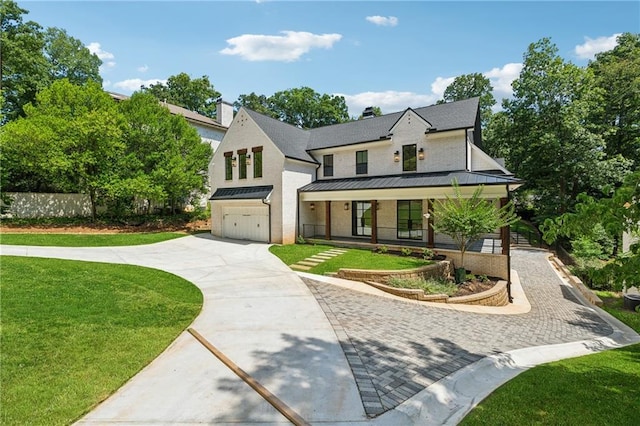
(396,349)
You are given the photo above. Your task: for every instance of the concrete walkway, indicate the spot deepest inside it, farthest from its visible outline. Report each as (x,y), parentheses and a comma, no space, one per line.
(337,354)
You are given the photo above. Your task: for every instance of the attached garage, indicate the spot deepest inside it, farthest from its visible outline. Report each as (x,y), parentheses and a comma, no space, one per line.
(242,213)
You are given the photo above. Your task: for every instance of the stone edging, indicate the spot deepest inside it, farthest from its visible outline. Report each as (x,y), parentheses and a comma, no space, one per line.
(495,296)
(576,282)
(438,269)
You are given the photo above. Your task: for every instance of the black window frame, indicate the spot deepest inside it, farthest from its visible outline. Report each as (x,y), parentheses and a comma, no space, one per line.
(409,158)
(360,223)
(257,162)
(362,167)
(411,227)
(228,166)
(242,164)
(327,165)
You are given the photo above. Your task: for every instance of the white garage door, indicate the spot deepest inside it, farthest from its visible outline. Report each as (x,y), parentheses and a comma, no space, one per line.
(246,223)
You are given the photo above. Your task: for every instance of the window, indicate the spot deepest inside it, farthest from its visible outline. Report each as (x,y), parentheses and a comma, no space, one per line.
(327,164)
(361,162)
(242,163)
(410,219)
(361,218)
(257,161)
(228,165)
(409,158)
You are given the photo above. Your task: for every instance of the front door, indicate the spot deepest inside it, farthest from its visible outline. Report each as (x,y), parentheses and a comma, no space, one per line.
(361,218)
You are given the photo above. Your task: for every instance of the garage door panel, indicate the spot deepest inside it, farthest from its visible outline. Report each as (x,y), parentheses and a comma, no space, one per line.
(246,223)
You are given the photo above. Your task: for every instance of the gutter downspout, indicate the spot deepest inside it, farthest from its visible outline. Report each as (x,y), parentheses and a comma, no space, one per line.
(267,201)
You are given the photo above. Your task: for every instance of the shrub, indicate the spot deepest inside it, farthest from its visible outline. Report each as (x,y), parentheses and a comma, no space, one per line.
(429,285)
(406,251)
(427,253)
(383,249)
(301,240)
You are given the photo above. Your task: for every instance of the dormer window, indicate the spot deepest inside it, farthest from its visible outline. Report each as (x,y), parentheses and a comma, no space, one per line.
(409,163)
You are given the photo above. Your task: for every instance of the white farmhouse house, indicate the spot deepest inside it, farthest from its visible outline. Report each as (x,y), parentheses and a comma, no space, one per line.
(372,180)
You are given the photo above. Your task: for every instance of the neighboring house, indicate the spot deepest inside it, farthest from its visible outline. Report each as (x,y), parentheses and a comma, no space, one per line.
(372,180)
(211,131)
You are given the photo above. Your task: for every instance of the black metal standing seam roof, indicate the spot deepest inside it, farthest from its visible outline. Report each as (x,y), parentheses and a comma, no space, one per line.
(416,180)
(242,193)
(290,140)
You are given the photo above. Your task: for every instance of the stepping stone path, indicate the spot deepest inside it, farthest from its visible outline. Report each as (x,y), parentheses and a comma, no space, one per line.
(316,259)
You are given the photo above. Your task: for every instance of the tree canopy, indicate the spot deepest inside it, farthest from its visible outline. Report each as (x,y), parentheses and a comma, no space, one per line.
(468,86)
(196,94)
(302,107)
(33,57)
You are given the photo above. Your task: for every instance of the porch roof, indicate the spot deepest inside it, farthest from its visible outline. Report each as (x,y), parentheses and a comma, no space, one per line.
(414,180)
(242,193)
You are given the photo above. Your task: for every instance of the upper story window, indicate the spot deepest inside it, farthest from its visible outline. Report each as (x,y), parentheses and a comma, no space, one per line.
(327,164)
(228,165)
(409,163)
(257,161)
(361,162)
(242,164)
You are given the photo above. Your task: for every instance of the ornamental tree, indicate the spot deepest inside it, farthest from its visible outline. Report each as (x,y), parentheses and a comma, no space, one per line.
(466,219)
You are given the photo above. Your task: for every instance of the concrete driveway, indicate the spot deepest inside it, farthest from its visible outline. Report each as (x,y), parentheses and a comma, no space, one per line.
(292,337)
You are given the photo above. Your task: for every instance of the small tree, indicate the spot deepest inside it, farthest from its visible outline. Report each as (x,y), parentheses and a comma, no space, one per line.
(467,219)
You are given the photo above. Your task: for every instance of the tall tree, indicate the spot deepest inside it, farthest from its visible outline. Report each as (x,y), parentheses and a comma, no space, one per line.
(23,67)
(257,103)
(196,94)
(617,73)
(550,143)
(165,159)
(302,107)
(77,130)
(468,86)
(32,58)
(69,58)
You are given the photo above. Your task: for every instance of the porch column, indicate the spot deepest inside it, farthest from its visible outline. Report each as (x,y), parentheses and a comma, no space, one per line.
(505,232)
(374,221)
(430,233)
(327,220)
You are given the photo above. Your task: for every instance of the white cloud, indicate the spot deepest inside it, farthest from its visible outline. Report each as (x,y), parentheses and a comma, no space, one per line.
(288,47)
(106,57)
(440,85)
(501,79)
(143,68)
(591,46)
(388,101)
(134,84)
(384,21)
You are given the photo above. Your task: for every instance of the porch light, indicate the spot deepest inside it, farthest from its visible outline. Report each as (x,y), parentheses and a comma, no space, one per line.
(248,160)
(421,154)
(346,206)
(312,206)
(233,162)
(396,156)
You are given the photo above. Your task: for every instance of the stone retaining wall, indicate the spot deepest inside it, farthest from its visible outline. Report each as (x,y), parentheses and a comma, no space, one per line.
(577,282)
(440,269)
(496,296)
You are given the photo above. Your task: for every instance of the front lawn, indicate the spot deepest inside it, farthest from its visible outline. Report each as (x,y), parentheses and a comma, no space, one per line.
(74,332)
(598,389)
(353,258)
(87,240)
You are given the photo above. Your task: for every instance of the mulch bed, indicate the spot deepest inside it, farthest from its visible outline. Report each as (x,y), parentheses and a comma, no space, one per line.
(98,228)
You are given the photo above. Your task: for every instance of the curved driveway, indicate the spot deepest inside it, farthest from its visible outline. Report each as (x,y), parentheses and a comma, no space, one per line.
(334,355)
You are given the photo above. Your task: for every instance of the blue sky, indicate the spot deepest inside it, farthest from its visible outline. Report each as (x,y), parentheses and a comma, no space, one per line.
(390,54)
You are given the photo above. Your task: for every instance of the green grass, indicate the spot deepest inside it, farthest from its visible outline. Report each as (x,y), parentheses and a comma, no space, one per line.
(353,258)
(74,332)
(87,240)
(430,286)
(598,389)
